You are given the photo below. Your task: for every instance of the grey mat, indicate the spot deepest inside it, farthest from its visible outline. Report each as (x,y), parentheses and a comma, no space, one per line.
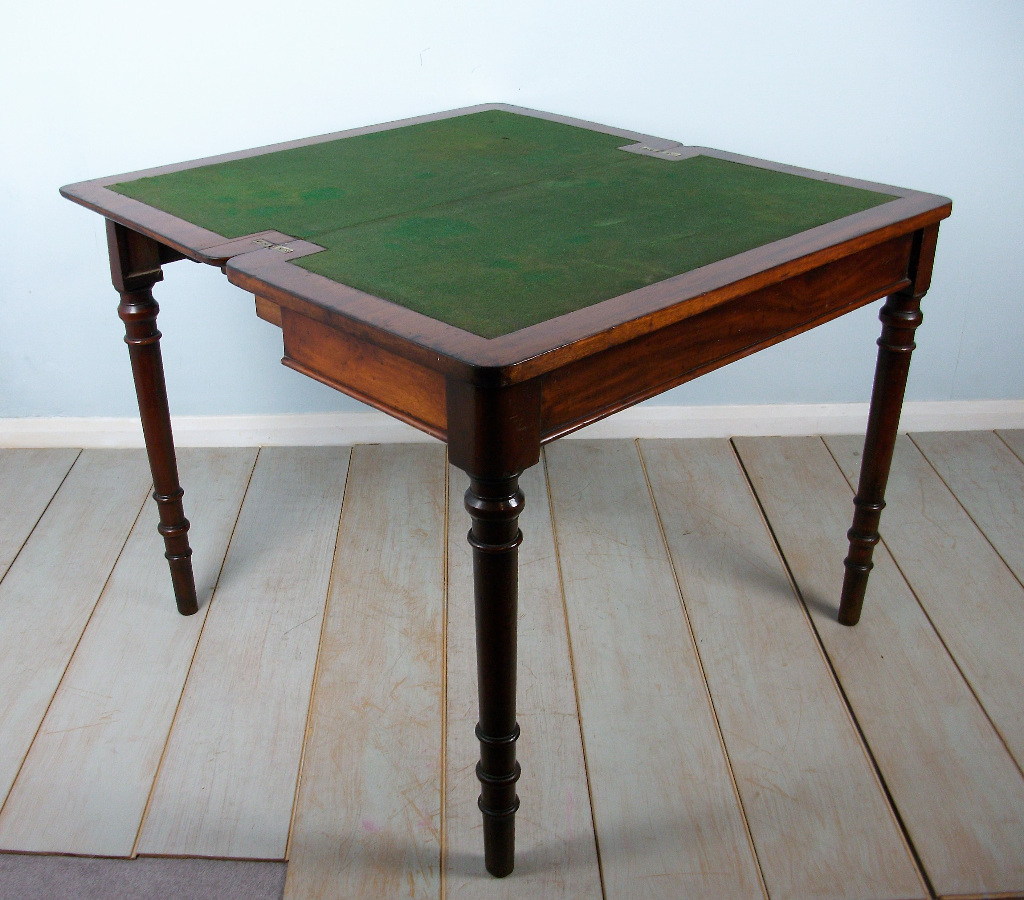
(30,877)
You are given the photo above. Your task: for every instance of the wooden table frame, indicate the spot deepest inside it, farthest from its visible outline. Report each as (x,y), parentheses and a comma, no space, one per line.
(495,402)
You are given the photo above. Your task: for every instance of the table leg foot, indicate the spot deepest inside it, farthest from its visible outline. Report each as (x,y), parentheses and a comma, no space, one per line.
(135,268)
(494,507)
(500,836)
(900,317)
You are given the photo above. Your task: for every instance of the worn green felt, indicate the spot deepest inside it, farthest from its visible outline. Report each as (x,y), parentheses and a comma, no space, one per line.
(495,264)
(308,191)
(493,221)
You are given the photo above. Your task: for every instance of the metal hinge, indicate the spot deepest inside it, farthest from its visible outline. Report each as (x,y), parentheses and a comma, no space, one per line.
(280,248)
(660,149)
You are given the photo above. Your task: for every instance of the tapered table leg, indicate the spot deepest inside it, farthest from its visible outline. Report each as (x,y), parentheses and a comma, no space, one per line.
(494,507)
(135,268)
(900,317)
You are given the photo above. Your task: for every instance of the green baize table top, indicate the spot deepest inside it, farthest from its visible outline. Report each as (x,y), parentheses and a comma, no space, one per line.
(494,221)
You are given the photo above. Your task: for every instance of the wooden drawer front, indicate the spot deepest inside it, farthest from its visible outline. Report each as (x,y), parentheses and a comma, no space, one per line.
(391,383)
(620,376)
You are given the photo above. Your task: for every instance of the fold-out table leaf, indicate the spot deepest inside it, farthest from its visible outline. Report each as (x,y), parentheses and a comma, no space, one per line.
(499,277)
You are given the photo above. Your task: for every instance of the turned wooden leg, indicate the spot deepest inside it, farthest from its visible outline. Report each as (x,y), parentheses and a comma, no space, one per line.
(900,317)
(494,507)
(135,268)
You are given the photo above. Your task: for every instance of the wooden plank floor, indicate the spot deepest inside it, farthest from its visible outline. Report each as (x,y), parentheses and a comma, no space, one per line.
(694,721)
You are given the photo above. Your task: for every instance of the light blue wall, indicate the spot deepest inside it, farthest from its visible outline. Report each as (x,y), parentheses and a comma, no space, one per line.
(928,95)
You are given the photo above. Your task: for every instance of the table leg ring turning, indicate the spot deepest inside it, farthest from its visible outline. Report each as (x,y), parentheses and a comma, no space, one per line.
(498,800)
(178,553)
(900,317)
(494,506)
(138,310)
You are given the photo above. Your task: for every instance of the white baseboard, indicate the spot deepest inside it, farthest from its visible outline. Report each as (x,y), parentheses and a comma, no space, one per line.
(639,421)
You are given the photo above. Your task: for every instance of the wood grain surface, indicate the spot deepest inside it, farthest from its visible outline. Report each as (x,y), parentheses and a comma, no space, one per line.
(28,481)
(971,597)
(84,785)
(368,815)
(818,816)
(811,811)
(227,781)
(668,818)
(50,590)
(986,473)
(955,786)
(1014,439)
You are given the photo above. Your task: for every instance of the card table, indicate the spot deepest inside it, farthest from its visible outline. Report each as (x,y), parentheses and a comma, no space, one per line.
(499,277)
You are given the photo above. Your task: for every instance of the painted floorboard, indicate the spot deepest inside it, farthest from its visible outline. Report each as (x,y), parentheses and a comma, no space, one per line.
(52,587)
(818,816)
(368,815)
(668,818)
(84,785)
(955,785)
(973,599)
(226,785)
(28,481)
(1015,441)
(988,480)
(556,856)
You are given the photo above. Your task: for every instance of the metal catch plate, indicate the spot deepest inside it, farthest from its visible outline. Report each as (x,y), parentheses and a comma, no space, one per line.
(280,248)
(660,148)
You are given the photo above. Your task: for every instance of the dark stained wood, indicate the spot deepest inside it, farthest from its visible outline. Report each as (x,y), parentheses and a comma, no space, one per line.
(494,507)
(169,254)
(203,245)
(221,253)
(548,345)
(134,269)
(901,315)
(495,401)
(544,347)
(414,393)
(603,383)
(493,430)
(401,331)
(268,311)
(494,434)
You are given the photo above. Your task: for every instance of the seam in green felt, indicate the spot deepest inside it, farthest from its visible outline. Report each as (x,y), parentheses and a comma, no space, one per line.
(320,188)
(493,221)
(496,264)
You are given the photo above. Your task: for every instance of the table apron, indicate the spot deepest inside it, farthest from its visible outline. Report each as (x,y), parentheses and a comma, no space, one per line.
(621,376)
(399,386)
(617,377)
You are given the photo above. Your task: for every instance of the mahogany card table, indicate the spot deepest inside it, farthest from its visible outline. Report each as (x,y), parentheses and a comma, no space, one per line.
(499,277)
